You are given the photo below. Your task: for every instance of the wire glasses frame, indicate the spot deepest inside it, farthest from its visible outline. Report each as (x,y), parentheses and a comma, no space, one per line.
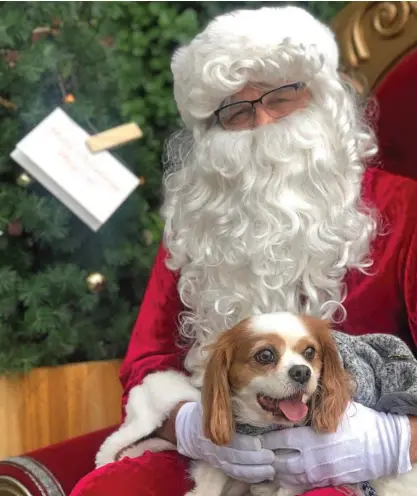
(277,103)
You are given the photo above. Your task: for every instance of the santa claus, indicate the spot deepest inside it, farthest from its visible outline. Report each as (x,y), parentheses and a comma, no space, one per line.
(270,204)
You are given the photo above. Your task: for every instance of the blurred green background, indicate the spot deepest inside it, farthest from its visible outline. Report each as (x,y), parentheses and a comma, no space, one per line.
(104,63)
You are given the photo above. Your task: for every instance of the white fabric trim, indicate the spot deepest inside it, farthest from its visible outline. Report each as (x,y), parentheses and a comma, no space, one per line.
(147,407)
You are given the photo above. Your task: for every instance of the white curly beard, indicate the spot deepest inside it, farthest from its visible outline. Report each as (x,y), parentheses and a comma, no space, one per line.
(265,220)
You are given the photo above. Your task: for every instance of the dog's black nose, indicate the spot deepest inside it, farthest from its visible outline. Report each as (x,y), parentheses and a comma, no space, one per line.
(300,373)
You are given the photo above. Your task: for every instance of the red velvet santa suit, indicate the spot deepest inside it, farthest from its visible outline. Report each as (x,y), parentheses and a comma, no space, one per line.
(384,302)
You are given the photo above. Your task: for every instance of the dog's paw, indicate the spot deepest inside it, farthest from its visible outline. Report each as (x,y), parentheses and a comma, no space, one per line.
(263,489)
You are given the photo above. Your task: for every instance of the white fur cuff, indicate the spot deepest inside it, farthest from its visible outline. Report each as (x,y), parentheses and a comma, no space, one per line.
(147,407)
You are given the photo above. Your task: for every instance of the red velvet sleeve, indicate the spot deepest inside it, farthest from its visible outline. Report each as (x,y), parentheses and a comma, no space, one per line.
(154,342)
(410,275)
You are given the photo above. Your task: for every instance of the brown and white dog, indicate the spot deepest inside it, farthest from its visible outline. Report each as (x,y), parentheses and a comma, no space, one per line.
(270,369)
(275,369)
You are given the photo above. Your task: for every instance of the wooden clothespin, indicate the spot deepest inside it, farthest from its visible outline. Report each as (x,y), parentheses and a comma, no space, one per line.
(7,104)
(114,137)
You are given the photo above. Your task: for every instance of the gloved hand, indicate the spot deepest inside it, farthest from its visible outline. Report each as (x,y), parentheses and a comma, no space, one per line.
(367,445)
(244,459)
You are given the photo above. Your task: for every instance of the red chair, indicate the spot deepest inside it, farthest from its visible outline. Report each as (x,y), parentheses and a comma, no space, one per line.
(51,471)
(378,48)
(397,96)
(378,42)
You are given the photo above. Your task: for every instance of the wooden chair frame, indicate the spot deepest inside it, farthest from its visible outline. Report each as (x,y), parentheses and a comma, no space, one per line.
(372,37)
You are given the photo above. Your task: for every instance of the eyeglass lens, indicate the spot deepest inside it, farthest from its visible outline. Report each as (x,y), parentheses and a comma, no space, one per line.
(277,103)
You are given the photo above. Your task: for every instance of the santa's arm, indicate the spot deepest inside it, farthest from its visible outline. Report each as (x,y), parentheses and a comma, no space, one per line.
(409,270)
(409,282)
(152,373)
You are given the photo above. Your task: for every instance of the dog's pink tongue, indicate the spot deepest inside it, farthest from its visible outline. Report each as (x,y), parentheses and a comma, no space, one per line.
(294,409)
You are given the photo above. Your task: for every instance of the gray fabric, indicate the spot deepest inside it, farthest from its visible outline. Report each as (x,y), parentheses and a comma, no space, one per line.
(384,369)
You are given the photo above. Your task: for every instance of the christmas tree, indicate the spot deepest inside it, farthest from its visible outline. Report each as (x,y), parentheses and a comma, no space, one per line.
(66,293)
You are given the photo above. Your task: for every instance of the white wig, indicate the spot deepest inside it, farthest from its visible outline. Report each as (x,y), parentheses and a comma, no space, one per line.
(217,62)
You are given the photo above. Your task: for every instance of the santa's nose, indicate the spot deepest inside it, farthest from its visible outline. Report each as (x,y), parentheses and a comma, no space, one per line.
(262,117)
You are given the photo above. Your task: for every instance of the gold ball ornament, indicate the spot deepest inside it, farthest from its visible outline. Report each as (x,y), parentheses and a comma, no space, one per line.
(96,282)
(24,180)
(15,229)
(69,98)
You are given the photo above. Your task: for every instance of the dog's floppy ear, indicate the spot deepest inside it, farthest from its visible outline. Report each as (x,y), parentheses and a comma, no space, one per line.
(218,421)
(335,387)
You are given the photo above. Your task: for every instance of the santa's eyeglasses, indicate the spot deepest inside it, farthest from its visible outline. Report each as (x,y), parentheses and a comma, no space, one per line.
(277,103)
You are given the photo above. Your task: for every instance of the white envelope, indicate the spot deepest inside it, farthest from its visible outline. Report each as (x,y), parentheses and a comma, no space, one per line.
(92,186)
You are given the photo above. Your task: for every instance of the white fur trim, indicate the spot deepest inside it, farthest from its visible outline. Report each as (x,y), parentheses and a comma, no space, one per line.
(397,485)
(243,35)
(147,407)
(154,444)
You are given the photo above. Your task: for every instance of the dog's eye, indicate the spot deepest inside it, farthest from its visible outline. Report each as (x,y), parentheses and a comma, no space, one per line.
(266,356)
(309,353)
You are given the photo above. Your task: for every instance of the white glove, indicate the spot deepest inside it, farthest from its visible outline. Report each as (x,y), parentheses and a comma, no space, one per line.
(244,459)
(367,445)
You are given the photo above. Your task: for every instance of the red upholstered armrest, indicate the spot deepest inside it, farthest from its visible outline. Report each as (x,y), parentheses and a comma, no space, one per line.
(51,471)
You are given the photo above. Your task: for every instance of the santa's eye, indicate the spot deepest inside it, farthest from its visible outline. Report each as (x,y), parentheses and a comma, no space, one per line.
(266,356)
